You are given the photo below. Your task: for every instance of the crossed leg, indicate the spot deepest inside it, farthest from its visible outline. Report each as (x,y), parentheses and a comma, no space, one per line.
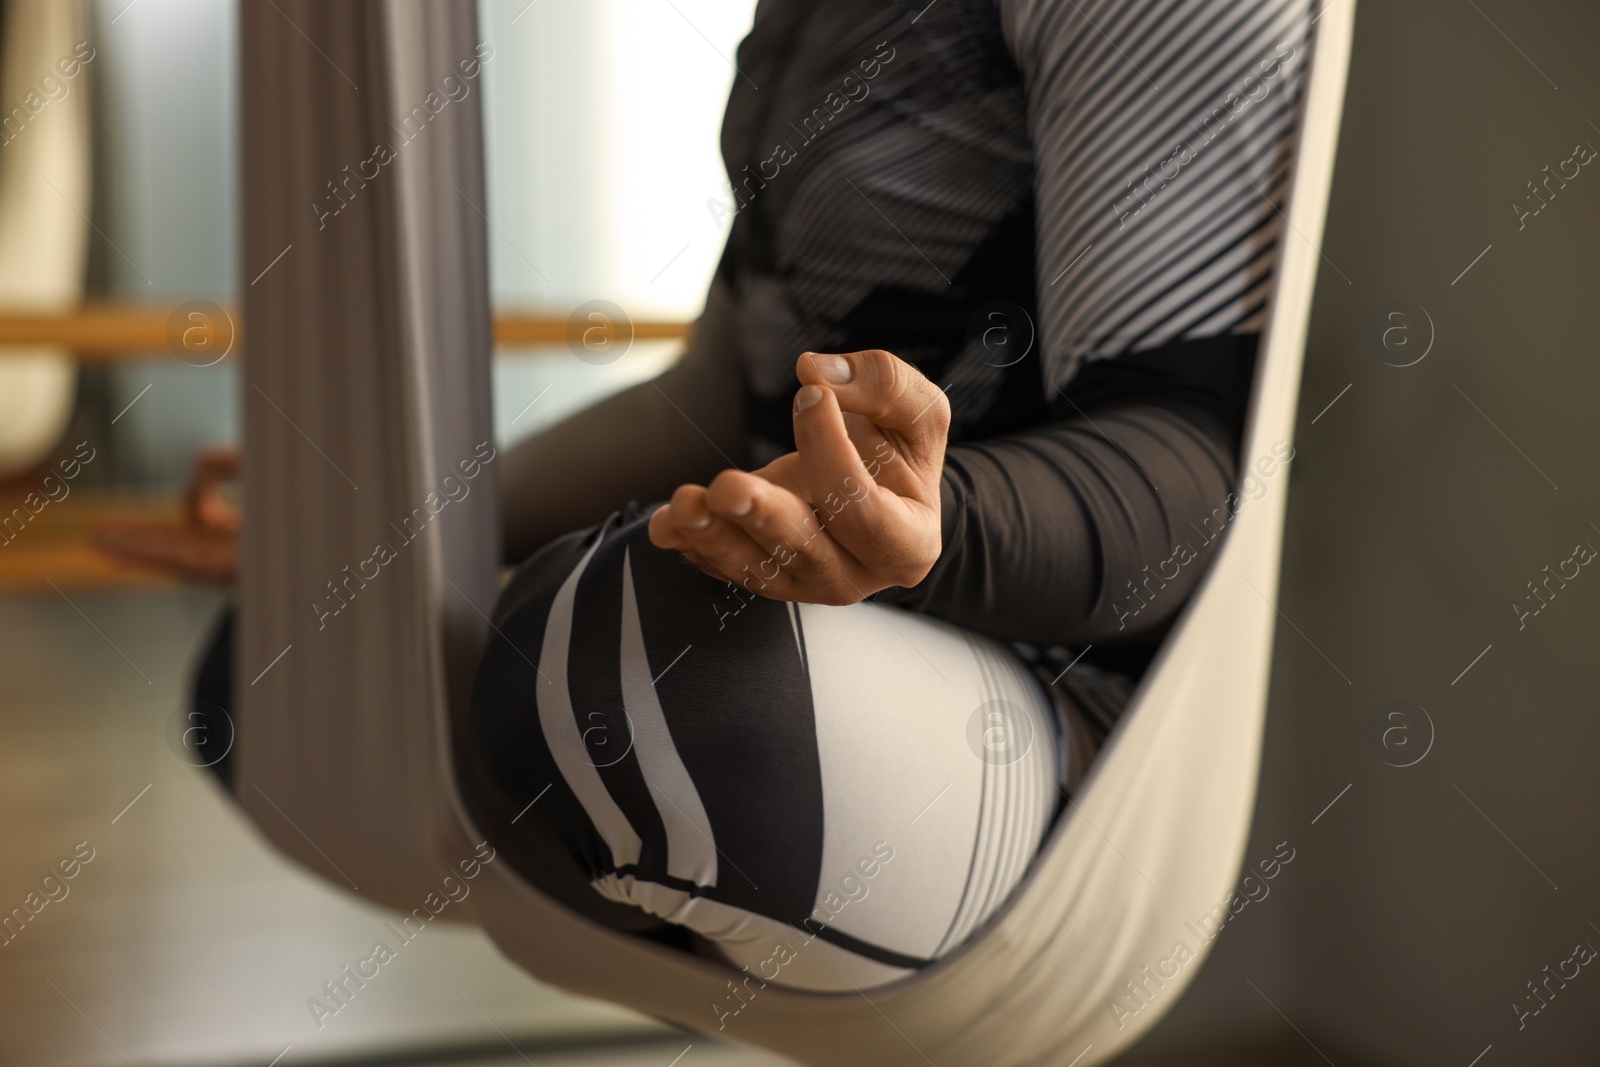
(829,796)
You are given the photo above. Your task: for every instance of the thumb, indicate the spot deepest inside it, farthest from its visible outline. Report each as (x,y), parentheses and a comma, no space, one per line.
(885,389)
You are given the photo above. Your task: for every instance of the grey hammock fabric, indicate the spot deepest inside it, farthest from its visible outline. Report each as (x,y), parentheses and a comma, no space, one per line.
(369,488)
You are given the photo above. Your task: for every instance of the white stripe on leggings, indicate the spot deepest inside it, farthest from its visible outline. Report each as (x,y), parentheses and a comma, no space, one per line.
(691,849)
(561,729)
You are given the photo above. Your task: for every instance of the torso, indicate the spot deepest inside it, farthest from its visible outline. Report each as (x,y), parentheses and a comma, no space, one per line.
(893,191)
(884,195)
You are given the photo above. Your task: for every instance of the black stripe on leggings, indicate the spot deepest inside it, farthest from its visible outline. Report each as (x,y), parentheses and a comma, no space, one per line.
(737,700)
(682,885)
(865,949)
(594,677)
(507,778)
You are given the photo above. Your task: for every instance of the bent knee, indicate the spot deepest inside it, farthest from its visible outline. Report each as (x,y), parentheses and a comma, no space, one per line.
(616,675)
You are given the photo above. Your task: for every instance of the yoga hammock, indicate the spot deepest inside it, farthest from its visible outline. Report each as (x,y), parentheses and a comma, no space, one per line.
(367,382)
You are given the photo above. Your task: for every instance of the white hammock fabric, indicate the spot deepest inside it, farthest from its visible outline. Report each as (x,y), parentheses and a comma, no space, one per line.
(344,742)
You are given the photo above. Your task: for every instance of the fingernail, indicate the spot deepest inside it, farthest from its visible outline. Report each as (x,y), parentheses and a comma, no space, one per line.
(807,396)
(704,521)
(744,508)
(835,369)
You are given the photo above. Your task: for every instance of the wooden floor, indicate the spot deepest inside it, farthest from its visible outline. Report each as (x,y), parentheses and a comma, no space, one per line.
(185,940)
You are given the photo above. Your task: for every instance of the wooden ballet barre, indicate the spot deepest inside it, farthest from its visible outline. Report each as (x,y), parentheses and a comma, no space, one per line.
(202,331)
(92,330)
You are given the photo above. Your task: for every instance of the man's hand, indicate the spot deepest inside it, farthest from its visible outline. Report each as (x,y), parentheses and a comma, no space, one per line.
(855,509)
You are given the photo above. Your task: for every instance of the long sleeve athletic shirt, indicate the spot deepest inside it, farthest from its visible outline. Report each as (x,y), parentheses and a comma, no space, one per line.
(1064,215)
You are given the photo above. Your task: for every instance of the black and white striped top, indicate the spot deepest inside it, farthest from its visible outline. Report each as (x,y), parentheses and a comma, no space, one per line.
(964,181)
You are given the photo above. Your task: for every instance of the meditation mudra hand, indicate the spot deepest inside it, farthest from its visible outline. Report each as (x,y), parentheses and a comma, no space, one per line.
(853,511)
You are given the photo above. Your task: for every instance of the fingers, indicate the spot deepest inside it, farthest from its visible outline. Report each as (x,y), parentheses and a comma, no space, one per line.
(787,472)
(797,559)
(711,542)
(886,389)
(685,515)
(887,533)
(670,522)
(762,537)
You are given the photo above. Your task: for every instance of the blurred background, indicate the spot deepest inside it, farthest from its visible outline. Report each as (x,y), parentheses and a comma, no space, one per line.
(1437,872)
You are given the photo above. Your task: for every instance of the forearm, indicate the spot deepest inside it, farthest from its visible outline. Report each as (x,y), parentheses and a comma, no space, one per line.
(639,444)
(1095,527)
(1052,535)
